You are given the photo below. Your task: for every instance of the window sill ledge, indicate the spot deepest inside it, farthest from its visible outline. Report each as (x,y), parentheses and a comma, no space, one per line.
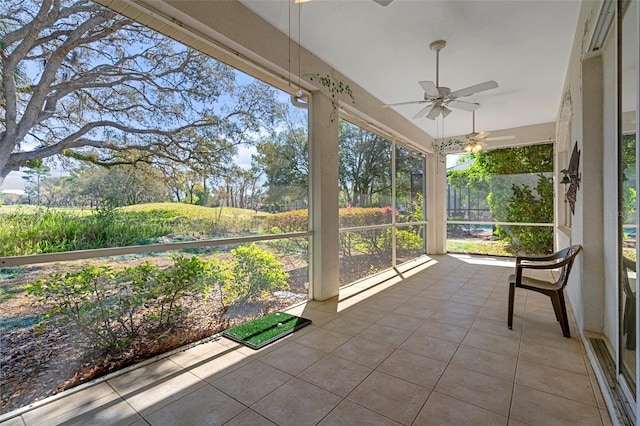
(565,230)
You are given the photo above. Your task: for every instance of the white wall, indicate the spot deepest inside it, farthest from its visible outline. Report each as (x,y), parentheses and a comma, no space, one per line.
(610,182)
(589,99)
(586,286)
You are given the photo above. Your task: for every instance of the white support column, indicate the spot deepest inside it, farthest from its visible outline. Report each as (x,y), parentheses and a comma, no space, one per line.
(323,153)
(589,217)
(436,205)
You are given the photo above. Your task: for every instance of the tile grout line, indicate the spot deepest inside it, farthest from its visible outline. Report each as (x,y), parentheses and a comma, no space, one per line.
(515,373)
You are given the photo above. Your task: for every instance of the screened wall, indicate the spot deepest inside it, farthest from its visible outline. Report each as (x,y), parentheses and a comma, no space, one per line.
(186,210)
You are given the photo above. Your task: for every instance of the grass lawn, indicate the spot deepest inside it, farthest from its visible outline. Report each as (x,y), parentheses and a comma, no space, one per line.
(25,208)
(34,230)
(194,211)
(470,246)
(175,209)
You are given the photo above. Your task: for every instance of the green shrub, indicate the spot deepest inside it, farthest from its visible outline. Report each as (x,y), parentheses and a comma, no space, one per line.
(528,239)
(371,242)
(255,274)
(374,241)
(533,205)
(108,306)
(100,305)
(408,240)
(298,221)
(187,276)
(286,222)
(365,216)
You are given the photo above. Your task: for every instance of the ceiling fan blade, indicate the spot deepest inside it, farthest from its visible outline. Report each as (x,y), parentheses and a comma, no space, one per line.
(429,88)
(467,106)
(501,138)
(424,111)
(405,103)
(468,91)
(435,111)
(471,136)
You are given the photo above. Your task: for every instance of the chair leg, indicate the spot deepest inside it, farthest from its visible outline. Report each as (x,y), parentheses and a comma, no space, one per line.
(564,322)
(629,323)
(512,291)
(556,307)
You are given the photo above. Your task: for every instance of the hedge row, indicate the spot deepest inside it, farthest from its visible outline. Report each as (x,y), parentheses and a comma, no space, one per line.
(297,220)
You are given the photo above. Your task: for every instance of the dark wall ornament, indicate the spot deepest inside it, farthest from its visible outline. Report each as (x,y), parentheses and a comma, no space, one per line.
(573,174)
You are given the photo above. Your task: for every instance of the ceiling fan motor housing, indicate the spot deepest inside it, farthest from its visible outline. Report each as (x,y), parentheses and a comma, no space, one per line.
(444,91)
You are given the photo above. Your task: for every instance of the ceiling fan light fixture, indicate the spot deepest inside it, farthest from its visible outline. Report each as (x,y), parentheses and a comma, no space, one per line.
(434,112)
(473,147)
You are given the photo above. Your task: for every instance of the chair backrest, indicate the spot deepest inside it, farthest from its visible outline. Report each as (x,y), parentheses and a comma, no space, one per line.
(568,255)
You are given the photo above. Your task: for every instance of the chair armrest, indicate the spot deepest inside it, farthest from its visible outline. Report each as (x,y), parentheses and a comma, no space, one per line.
(547,262)
(629,263)
(549,259)
(536,257)
(544,264)
(557,260)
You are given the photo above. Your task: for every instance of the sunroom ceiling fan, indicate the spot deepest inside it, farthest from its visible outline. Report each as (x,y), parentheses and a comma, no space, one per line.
(476,141)
(439,99)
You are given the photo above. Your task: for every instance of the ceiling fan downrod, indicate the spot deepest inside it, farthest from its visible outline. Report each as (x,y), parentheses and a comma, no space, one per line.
(473,122)
(437,46)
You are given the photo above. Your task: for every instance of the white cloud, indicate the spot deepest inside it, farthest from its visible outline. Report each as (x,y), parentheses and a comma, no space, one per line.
(13,182)
(243,158)
(12,191)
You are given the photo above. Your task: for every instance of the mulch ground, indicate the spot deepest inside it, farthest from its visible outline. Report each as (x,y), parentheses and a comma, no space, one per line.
(37,362)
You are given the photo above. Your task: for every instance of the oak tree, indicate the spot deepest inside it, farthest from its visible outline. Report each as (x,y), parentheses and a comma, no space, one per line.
(83,82)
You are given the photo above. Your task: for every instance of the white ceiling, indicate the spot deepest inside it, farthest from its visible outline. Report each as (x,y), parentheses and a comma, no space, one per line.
(523,45)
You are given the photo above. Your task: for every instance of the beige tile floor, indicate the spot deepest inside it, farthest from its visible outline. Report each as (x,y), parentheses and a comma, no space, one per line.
(430,347)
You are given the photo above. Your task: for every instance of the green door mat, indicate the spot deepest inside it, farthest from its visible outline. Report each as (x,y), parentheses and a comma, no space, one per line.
(264,330)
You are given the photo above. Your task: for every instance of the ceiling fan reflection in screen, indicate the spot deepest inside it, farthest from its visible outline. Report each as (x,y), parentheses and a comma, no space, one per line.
(476,141)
